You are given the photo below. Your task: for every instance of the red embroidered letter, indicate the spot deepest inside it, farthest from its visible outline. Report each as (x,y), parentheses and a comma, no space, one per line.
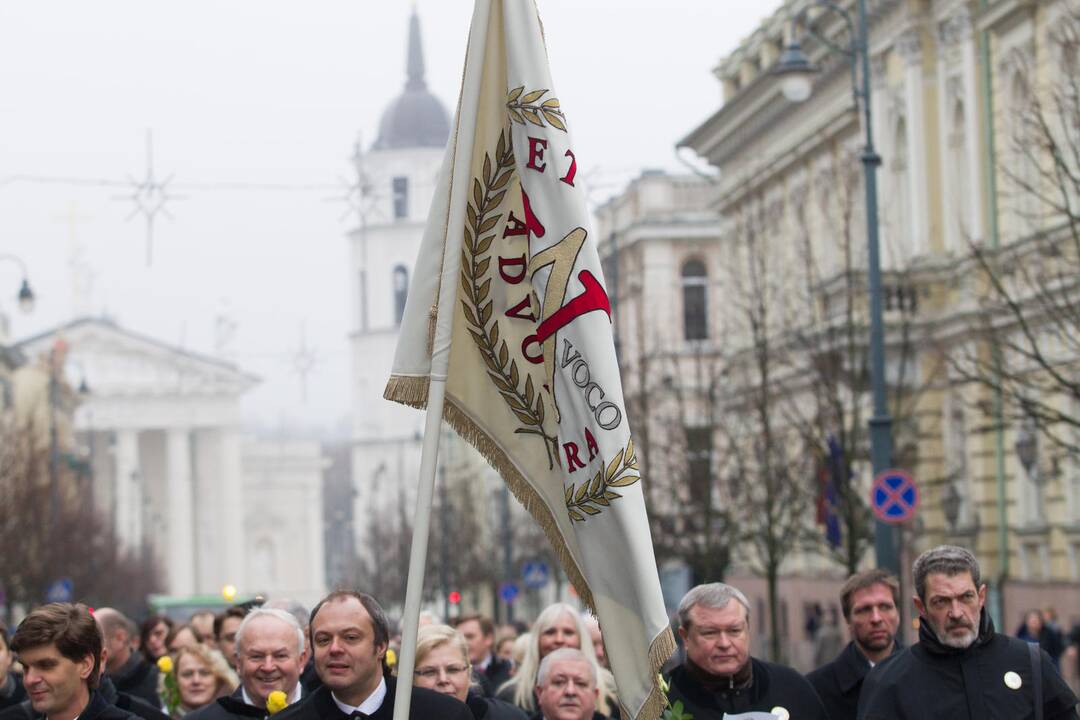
(505,263)
(568,178)
(572,458)
(536,152)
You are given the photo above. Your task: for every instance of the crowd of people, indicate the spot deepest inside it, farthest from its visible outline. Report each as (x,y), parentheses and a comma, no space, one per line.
(337,661)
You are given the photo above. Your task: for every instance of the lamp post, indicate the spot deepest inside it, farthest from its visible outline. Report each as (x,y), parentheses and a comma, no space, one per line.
(1027,451)
(24,298)
(796,72)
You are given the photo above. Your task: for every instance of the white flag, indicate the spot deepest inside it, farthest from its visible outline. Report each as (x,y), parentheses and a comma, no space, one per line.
(508,305)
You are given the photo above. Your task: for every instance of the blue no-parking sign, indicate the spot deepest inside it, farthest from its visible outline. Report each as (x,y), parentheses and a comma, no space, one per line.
(894,496)
(508,592)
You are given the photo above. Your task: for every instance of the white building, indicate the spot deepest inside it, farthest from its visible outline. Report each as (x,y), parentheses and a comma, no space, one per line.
(176,476)
(398,173)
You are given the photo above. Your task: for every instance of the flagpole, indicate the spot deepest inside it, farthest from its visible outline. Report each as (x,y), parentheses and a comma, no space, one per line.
(418,555)
(459,156)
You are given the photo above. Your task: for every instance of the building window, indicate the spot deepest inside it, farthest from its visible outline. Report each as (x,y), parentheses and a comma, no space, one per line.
(958,226)
(401,198)
(1035,561)
(900,243)
(699,463)
(401,292)
(694,285)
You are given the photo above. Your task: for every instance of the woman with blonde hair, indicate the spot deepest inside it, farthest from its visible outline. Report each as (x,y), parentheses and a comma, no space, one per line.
(442,665)
(559,625)
(202,676)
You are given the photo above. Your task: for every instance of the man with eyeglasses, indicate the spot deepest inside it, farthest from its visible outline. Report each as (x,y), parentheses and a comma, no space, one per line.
(961,669)
(270,653)
(719,678)
(869,601)
(349,635)
(566,686)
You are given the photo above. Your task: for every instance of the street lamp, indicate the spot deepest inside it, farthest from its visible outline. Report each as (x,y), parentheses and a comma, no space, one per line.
(796,72)
(1027,451)
(25,297)
(950,505)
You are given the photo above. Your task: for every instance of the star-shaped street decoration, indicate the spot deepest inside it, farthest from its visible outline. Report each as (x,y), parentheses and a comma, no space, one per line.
(150,197)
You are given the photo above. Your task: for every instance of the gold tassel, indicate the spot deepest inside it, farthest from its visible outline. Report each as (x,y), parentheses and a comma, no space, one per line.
(411,390)
(471,433)
(662,648)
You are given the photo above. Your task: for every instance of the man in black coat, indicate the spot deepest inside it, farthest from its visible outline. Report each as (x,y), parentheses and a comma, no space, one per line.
(719,676)
(488,670)
(869,601)
(129,670)
(270,655)
(349,634)
(60,647)
(961,669)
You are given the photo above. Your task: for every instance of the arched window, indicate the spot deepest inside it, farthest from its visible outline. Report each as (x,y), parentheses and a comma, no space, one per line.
(401,292)
(694,285)
(1022,174)
(958,224)
(900,245)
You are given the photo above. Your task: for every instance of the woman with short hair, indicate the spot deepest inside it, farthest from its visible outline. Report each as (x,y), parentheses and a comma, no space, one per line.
(442,665)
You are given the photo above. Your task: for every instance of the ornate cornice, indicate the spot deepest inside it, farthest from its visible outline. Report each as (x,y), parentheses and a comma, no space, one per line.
(955,29)
(909,45)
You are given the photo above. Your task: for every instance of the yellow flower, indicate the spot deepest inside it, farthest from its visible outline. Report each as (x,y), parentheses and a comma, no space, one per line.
(165,664)
(277,701)
(391,657)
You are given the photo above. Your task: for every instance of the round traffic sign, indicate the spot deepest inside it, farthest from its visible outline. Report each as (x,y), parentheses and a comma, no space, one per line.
(508,592)
(894,496)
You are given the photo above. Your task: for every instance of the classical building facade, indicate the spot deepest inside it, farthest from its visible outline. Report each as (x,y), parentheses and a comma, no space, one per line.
(951,83)
(176,475)
(663,249)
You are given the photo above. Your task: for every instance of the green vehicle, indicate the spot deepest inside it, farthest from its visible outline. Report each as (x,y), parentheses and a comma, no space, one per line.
(181,608)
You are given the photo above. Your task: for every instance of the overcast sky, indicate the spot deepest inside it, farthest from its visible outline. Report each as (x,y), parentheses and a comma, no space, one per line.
(275,92)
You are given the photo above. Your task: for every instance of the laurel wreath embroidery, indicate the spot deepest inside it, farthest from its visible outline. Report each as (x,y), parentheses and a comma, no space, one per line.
(524,108)
(524,401)
(593,494)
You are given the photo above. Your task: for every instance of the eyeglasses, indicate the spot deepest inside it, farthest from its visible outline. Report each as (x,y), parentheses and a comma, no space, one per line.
(430,673)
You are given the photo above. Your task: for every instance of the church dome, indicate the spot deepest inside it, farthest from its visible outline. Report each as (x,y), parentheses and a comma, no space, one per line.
(415,118)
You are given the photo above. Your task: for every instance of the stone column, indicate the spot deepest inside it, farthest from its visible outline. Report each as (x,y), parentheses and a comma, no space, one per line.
(910,48)
(126,465)
(180,554)
(232,500)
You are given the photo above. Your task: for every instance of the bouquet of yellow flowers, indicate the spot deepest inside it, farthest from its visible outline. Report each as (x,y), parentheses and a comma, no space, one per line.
(167,688)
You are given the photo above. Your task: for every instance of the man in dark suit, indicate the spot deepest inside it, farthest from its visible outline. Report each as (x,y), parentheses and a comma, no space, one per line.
(128,670)
(869,600)
(488,670)
(60,646)
(270,655)
(349,634)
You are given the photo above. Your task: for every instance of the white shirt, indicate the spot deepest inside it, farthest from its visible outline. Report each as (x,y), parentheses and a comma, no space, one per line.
(292,698)
(371,703)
